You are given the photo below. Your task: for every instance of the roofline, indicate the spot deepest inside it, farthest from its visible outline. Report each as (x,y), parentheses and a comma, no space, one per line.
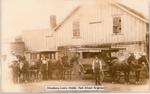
(114,3)
(39,29)
(66,18)
(104,44)
(131,13)
(40,51)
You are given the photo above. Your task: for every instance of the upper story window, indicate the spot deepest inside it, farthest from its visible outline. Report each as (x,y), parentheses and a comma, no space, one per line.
(76,28)
(117,25)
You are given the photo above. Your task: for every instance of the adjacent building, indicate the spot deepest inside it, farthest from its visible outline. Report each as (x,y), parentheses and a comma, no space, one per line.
(39,42)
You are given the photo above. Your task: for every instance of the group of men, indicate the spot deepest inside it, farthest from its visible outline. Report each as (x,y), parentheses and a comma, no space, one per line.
(40,69)
(48,66)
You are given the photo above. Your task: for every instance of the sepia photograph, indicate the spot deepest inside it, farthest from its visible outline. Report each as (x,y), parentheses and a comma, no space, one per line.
(82,46)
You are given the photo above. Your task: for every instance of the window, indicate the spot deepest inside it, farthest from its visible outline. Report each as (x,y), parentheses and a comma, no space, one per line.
(76,29)
(117,25)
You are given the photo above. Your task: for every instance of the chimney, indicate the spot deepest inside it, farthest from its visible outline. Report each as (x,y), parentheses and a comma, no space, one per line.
(52,21)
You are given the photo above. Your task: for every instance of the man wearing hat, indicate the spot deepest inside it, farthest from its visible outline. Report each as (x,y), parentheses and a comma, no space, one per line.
(98,71)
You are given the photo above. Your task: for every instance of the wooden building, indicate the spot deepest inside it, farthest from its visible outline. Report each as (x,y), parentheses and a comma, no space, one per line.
(39,42)
(95,27)
(101,26)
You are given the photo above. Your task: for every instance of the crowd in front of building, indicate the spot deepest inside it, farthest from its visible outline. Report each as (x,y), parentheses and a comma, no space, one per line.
(45,68)
(37,70)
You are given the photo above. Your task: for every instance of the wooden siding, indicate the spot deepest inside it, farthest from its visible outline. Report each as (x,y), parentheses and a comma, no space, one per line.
(133,29)
(39,40)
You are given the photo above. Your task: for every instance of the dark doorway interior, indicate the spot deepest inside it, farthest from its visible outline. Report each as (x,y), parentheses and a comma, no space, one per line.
(91,54)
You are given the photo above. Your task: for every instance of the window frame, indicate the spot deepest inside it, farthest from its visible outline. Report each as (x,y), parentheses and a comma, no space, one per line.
(76,29)
(120,21)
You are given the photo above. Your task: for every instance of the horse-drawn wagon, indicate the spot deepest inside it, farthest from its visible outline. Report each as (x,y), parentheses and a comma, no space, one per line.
(86,70)
(113,68)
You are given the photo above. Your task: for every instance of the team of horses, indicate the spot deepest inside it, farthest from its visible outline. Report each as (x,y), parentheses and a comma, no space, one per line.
(123,68)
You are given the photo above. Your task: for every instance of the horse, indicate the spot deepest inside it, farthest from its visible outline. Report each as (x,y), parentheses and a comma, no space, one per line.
(19,66)
(137,66)
(36,69)
(57,70)
(117,67)
(143,69)
(15,71)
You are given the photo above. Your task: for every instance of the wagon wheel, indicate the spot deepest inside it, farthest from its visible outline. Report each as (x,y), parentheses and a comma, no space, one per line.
(55,74)
(83,75)
(40,76)
(118,76)
(143,74)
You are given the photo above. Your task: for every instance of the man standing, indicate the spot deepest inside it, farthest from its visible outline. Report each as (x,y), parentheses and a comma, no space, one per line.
(21,64)
(98,71)
(25,69)
(44,68)
(50,69)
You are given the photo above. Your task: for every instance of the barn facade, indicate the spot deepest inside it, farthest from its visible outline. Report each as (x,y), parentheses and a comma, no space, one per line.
(97,27)
(102,27)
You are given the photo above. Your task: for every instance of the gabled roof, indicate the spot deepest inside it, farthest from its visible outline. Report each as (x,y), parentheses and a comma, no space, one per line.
(131,12)
(67,17)
(121,6)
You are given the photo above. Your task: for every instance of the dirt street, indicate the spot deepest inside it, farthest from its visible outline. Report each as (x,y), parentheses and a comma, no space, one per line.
(108,87)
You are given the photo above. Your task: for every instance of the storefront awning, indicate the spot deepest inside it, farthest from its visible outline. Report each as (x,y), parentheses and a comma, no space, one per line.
(94,49)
